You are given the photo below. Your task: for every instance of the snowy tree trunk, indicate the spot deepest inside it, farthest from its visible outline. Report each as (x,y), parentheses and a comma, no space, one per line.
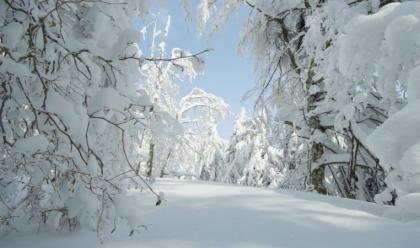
(150,161)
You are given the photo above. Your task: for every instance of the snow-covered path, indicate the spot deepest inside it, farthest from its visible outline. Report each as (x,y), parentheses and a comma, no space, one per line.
(214,215)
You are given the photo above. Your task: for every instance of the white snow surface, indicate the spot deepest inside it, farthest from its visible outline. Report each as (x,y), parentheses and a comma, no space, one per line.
(198,214)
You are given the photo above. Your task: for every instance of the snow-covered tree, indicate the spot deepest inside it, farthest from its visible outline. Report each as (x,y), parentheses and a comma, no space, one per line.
(163,75)
(387,59)
(198,153)
(72,115)
(320,118)
(198,150)
(236,154)
(250,159)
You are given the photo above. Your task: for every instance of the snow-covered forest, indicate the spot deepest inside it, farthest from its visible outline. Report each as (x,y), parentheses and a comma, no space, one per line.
(101,147)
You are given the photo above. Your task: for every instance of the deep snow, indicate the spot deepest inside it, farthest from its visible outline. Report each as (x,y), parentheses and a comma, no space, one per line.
(198,214)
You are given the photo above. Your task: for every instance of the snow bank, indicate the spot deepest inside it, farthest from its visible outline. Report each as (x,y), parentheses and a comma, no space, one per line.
(215,215)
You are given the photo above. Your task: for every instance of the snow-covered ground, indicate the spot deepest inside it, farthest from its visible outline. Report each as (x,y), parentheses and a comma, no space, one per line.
(198,214)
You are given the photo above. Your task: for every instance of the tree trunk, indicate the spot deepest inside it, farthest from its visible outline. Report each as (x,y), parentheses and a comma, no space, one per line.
(150,162)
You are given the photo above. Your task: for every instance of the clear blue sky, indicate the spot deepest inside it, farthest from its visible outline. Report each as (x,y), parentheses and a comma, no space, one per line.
(227,74)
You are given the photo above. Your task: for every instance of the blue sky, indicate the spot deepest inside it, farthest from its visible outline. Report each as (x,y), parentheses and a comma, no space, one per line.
(227,74)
